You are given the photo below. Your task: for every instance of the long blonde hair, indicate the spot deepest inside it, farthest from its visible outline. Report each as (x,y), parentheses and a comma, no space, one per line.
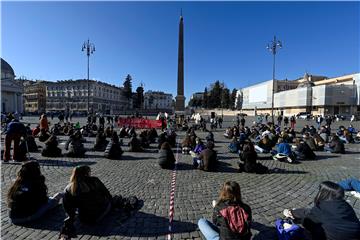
(77,177)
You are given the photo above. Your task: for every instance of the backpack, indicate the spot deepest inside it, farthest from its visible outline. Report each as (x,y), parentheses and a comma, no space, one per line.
(237,219)
(294,232)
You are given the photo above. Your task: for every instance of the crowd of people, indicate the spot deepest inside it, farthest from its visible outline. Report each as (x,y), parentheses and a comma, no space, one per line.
(87,198)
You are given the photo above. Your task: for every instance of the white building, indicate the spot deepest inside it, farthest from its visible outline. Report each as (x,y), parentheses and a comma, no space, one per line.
(11,90)
(72,95)
(158,100)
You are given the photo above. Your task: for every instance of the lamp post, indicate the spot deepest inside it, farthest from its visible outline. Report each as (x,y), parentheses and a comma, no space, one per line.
(273,46)
(90,49)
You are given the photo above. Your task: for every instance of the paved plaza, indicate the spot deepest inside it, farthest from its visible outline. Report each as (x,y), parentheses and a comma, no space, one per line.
(288,186)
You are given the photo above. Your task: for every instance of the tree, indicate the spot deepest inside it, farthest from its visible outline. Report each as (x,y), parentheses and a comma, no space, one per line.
(205,102)
(225,98)
(214,100)
(128,86)
(139,99)
(233,98)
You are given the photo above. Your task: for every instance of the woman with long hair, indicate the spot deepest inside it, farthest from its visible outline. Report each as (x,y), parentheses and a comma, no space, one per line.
(331,218)
(27,197)
(87,194)
(166,156)
(231,216)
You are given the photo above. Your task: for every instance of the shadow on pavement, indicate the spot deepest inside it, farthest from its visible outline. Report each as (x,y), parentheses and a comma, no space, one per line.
(264,232)
(129,157)
(55,162)
(284,171)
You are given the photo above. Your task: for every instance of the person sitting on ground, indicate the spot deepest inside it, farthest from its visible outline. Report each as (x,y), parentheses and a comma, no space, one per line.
(75,142)
(113,149)
(145,143)
(283,152)
(55,130)
(31,144)
(87,197)
(227,210)
(228,133)
(350,184)
(171,137)
(108,131)
(152,135)
(351,129)
(323,133)
(122,133)
(306,129)
(186,145)
(264,145)
(161,139)
(166,156)
(319,142)
(234,146)
(135,145)
(303,151)
(310,141)
(347,136)
(249,156)
(100,142)
(198,148)
(331,217)
(27,197)
(208,158)
(131,132)
(335,146)
(51,147)
(209,136)
(312,130)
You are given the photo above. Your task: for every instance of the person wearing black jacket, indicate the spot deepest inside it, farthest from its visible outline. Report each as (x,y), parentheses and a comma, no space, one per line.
(331,218)
(303,151)
(335,146)
(27,197)
(113,149)
(88,195)
(166,156)
(228,208)
(208,157)
(249,156)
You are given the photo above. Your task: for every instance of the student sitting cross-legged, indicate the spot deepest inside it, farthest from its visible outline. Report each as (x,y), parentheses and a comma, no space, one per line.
(231,216)
(27,197)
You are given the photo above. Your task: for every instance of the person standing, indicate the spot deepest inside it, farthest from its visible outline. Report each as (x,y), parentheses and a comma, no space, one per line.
(14,131)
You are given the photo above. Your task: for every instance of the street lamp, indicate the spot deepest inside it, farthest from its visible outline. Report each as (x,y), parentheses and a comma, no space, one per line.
(90,49)
(272,47)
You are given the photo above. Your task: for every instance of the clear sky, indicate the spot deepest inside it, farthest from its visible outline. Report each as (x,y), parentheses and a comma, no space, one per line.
(223,41)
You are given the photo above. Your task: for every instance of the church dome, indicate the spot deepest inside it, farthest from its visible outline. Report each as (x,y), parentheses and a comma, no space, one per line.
(6,69)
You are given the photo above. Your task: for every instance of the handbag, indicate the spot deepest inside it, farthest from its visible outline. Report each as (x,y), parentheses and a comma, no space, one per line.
(290,231)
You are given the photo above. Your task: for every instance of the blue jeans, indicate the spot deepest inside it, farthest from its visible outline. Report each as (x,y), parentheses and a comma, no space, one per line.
(350,184)
(40,212)
(208,229)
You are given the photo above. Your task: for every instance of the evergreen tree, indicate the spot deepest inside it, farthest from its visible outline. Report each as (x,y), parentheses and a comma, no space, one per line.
(139,97)
(215,95)
(128,87)
(225,98)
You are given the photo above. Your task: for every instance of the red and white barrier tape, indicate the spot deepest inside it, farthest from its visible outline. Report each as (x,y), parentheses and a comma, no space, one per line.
(172,194)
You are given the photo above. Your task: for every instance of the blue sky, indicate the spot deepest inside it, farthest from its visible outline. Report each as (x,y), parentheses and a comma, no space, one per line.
(224,41)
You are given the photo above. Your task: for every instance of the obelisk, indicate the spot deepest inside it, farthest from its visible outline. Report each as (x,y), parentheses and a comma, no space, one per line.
(180,98)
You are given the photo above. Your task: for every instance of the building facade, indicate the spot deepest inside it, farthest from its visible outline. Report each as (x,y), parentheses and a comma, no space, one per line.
(312,94)
(158,100)
(34,96)
(11,90)
(72,95)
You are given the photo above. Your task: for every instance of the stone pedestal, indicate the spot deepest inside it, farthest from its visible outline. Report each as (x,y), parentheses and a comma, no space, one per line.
(180,103)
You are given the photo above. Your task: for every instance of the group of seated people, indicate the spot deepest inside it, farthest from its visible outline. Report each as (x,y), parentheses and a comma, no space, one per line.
(331,217)
(85,198)
(285,145)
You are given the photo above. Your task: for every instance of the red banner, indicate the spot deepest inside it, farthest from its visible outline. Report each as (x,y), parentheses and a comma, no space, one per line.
(139,123)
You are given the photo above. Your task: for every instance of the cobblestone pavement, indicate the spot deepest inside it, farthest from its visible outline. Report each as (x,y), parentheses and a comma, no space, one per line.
(139,174)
